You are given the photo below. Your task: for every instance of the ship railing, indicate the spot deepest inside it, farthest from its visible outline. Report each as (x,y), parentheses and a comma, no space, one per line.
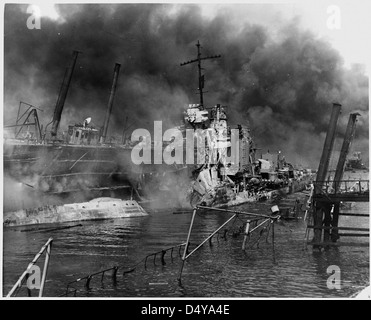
(262,222)
(344,186)
(71,290)
(259,224)
(31,270)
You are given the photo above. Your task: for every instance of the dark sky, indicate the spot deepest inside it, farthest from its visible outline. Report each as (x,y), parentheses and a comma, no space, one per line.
(283,88)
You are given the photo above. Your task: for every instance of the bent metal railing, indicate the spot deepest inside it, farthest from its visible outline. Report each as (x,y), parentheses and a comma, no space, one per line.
(252,217)
(255,222)
(71,290)
(26,274)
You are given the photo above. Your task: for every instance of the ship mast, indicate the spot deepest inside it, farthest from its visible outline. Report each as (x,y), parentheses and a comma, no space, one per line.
(110,102)
(63,94)
(201,77)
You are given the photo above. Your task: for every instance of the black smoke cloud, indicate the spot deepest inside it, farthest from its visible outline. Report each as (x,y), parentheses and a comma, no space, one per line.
(283,86)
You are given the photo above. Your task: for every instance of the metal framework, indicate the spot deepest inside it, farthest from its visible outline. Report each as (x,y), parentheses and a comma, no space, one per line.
(47,249)
(267,219)
(328,195)
(22,120)
(201,77)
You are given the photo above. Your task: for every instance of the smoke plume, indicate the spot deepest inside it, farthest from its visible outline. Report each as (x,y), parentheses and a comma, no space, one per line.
(283,86)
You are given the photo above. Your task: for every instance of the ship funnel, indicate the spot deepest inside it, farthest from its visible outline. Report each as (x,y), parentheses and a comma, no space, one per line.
(110,102)
(63,94)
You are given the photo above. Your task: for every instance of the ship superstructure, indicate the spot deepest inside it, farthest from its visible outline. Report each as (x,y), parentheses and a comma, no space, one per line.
(233,174)
(54,161)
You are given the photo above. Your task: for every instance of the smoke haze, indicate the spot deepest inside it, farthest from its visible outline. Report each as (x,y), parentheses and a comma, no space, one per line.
(281,79)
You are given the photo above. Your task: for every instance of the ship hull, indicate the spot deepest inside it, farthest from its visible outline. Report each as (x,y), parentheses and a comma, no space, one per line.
(229,198)
(67,168)
(40,174)
(96,209)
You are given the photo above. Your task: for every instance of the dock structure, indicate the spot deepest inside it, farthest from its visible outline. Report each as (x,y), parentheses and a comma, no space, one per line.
(328,196)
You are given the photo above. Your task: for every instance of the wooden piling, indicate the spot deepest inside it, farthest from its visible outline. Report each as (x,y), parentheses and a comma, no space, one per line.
(327,222)
(335,222)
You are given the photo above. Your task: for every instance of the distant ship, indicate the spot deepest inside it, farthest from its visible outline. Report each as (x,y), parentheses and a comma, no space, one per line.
(355,162)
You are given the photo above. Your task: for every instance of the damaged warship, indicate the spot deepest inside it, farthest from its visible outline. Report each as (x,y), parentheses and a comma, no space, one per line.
(211,178)
(57,162)
(250,179)
(50,170)
(83,160)
(219,182)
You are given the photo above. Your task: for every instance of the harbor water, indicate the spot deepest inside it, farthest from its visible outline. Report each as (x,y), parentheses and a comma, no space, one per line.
(288,269)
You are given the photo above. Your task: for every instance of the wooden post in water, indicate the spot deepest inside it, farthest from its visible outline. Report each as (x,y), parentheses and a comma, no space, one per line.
(317,220)
(335,222)
(327,221)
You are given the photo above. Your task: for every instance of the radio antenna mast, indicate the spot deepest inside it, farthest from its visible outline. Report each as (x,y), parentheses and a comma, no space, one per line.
(201,77)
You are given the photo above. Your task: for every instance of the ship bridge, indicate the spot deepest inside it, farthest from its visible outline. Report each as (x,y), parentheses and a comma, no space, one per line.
(82,135)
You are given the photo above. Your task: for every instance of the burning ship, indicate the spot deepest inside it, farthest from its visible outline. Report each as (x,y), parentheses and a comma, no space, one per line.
(83,160)
(221,182)
(48,163)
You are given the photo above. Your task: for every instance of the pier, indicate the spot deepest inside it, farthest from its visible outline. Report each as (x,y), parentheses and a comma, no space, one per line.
(328,205)
(328,196)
